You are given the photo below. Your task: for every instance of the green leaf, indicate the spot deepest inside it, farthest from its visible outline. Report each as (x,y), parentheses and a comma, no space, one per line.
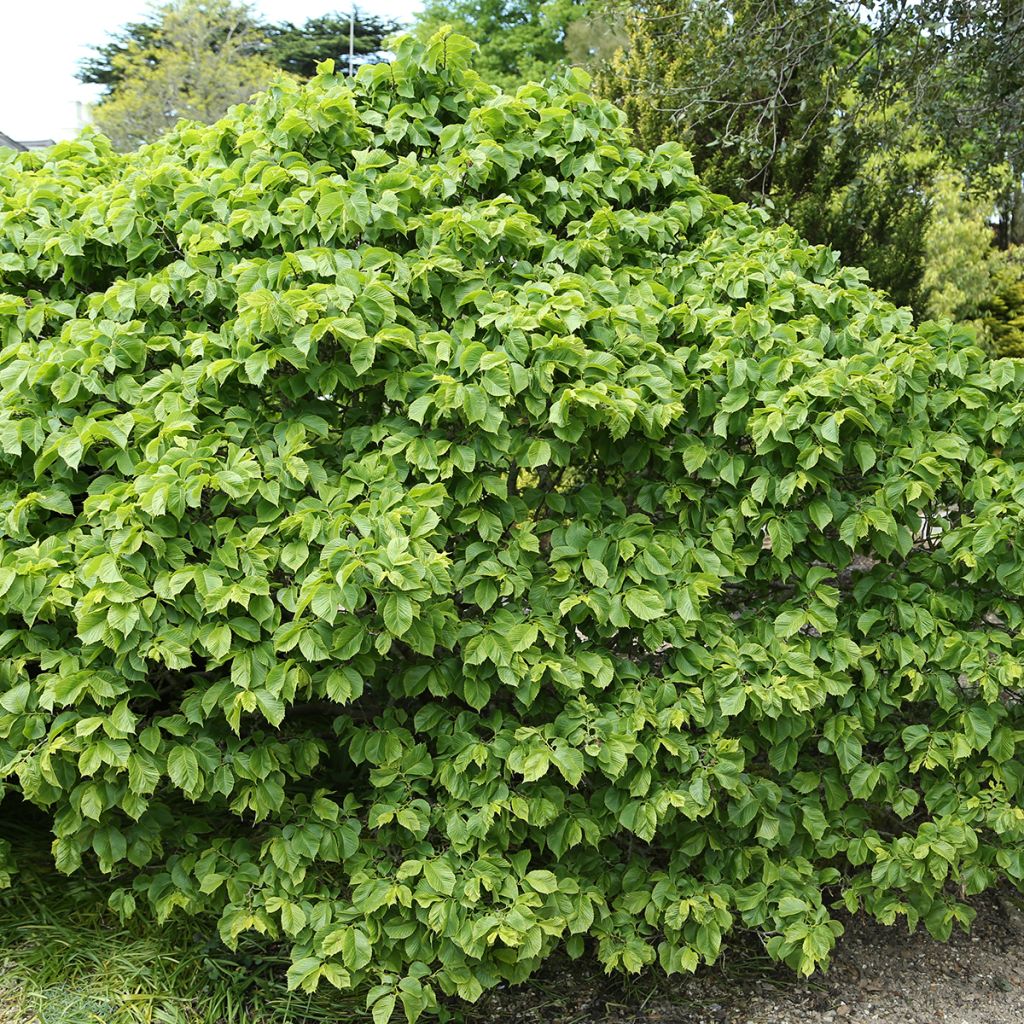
(644,603)
(363,353)
(439,876)
(595,572)
(398,613)
(183,769)
(356,949)
(304,973)
(538,454)
(732,703)
(293,918)
(820,513)
(383,1008)
(790,622)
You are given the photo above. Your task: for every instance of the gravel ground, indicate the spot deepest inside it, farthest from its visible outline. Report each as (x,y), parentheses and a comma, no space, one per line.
(879,975)
(9,1007)
(882,975)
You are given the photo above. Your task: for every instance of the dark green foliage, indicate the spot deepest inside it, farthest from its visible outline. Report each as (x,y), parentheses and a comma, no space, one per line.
(779,103)
(297,49)
(300,48)
(433,531)
(839,112)
(869,199)
(101,67)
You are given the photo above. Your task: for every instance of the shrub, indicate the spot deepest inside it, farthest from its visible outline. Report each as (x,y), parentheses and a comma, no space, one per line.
(436,533)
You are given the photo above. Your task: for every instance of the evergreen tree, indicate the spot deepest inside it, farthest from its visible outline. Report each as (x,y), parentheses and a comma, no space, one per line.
(297,49)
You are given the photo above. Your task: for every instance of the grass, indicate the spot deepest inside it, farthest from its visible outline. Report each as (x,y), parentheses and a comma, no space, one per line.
(66,959)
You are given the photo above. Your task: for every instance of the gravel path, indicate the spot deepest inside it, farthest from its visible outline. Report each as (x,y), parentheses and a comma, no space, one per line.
(885,976)
(879,975)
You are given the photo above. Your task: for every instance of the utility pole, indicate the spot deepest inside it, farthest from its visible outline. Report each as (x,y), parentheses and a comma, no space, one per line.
(352,42)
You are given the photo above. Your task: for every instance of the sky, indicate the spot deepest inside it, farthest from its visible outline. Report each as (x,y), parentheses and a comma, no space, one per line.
(42,41)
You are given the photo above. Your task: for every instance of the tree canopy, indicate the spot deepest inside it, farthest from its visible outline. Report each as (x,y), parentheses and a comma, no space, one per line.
(435,531)
(298,49)
(193,58)
(199,58)
(839,113)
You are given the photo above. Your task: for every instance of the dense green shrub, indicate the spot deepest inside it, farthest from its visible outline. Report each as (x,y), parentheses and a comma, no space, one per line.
(435,532)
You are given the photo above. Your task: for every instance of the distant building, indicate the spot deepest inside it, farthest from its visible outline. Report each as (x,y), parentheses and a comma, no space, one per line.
(6,142)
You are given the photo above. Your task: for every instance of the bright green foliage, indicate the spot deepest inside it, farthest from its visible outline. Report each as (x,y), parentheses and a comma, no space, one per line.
(965,277)
(520,40)
(959,257)
(1003,310)
(435,532)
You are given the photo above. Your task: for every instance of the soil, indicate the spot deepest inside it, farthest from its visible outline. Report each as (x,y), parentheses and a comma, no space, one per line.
(10,1011)
(879,975)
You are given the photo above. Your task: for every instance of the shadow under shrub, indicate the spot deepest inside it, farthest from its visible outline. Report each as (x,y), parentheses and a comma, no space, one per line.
(433,531)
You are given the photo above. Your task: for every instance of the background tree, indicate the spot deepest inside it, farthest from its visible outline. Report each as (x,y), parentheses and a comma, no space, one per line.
(296,49)
(867,195)
(594,37)
(965,73)
(1003,311)
(837,113)
(200,58)
(960,261)
(105,65)
(764,95)
(966,277)
(742,85)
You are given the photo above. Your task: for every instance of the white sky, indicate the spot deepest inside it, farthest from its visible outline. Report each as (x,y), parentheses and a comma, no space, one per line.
(42,41)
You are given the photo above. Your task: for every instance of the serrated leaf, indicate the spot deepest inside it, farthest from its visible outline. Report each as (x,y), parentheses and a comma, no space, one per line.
(644,603)
(439,876)
(183,769)
(398,612)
